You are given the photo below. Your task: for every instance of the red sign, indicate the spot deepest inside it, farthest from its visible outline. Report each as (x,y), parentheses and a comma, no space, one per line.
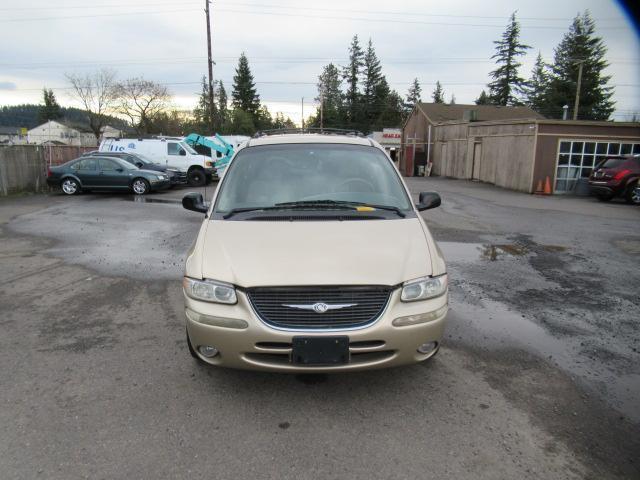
(391,135)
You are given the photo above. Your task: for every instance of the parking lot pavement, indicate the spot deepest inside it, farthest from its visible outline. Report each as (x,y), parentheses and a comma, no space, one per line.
(539,376)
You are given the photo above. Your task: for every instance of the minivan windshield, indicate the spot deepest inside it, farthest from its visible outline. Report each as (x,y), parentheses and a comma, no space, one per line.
(267,175)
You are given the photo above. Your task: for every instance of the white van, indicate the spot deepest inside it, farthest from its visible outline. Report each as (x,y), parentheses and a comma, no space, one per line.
(167,151)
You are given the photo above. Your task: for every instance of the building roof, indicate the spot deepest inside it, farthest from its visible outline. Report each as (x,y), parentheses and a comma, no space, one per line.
(74,126)
(443,112)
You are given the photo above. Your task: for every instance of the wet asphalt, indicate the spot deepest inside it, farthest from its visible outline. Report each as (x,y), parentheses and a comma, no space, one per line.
(539,376)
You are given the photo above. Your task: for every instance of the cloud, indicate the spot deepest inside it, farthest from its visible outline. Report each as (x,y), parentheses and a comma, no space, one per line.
(8,86)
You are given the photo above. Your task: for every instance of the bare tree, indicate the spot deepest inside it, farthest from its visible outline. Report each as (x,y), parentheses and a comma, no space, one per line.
(97,94)
(141,101)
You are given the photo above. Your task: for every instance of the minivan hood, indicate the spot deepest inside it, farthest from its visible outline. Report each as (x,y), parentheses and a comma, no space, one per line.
(358,252)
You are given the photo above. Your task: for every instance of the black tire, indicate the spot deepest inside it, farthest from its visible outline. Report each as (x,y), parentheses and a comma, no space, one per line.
(196,177)
(192,351)
(140,186)
(633,193)
(70,186)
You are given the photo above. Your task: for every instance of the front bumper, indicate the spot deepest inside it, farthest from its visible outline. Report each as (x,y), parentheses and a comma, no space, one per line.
(160,184)
(210,172)
(260,347)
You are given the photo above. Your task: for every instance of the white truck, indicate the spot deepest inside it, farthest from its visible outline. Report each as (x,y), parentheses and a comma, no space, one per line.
(171,152)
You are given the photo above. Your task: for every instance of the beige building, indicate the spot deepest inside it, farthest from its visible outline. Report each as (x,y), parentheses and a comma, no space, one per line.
(417,133)
(60,133)
(519,154)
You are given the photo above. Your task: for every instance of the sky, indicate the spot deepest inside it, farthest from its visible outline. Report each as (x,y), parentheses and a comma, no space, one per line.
(288,42)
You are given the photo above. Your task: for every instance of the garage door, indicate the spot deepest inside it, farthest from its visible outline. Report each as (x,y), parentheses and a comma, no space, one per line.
(577,158)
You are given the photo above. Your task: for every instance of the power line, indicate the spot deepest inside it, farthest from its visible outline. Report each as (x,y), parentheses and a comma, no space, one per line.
(283,14)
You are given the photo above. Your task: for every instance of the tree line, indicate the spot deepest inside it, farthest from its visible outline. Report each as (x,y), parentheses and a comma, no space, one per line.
(551,86)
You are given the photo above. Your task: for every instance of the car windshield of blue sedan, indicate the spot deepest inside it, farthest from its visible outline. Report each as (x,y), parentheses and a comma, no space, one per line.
(267,175)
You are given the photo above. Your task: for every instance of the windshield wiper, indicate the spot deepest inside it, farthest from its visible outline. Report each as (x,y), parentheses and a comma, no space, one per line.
(352,204)
(287,206)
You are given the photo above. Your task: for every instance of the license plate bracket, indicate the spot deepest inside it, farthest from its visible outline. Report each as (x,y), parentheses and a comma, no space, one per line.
(320,350)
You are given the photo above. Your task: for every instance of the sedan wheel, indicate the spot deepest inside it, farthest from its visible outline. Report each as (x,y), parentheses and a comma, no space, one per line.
(633,195)
(70,186)
(140,186)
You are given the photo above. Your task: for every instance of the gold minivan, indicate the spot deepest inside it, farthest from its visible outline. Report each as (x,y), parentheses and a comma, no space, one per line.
(312,258)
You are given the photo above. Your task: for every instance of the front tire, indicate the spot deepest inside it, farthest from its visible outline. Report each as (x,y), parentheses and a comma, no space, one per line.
(633,193)
(196,177)
(70,186)
(140,186)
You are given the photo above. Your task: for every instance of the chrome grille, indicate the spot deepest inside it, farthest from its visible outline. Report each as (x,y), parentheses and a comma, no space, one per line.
(269,303)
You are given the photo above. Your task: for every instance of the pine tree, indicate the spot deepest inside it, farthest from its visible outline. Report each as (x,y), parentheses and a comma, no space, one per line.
(453,100)
(483,99)
(223,107)
(244,95)
(438,93)
(330,94)
(351,74)
(51,109)
(537,86)
(375,88)
(201,112)
(413,96)
(580,44)
(507,84)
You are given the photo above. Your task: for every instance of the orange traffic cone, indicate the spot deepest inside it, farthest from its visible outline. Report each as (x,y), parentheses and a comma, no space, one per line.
(547,186)
(539,190)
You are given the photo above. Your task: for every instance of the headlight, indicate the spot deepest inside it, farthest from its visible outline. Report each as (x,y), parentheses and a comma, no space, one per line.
(424,288)
(209,291)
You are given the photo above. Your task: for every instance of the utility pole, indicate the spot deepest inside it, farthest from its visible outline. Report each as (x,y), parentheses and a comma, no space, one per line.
(321,112)
(302,108)
(210,66)
(577,104)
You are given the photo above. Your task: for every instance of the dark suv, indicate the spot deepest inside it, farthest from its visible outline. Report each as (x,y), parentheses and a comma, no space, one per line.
(175,177)
(617,177)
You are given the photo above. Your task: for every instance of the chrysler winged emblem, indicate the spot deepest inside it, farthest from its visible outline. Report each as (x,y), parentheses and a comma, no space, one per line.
(320,307)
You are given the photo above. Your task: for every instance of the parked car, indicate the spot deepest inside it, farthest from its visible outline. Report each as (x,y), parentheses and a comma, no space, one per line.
(312,258)
(175,176)
(103,173)
(617,177)
(168,152)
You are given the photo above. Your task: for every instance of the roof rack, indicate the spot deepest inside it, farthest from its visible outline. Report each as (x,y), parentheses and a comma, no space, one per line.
(314,130)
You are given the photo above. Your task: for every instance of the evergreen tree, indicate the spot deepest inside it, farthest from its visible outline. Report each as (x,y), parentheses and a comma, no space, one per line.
(413,96)
(223,107)
(537,86)
(580,44)
(375,88)
(507,84)
(50,110)
(244,95)
(330,94)
(453,100)
(483,99)
(201,121)
(351,74)
(438,93)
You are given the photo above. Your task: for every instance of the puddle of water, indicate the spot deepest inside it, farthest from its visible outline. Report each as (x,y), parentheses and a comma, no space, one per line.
(141,199)
(472,252)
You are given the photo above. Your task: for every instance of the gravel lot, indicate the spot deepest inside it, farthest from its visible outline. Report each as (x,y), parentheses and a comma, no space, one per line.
(539,376)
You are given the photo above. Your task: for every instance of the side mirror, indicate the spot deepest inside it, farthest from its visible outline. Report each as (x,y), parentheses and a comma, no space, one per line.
(428,200)
(194,201)
(139,164)
(183,153)
(119,169)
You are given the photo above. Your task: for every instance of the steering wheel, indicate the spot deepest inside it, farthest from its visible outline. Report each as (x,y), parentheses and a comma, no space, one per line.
(355,181)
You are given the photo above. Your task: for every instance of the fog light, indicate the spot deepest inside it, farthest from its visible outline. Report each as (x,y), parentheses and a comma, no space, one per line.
(208,351)
(427,348)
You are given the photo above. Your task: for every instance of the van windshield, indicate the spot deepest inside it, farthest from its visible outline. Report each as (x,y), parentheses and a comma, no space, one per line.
(188,148)
(267,175)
